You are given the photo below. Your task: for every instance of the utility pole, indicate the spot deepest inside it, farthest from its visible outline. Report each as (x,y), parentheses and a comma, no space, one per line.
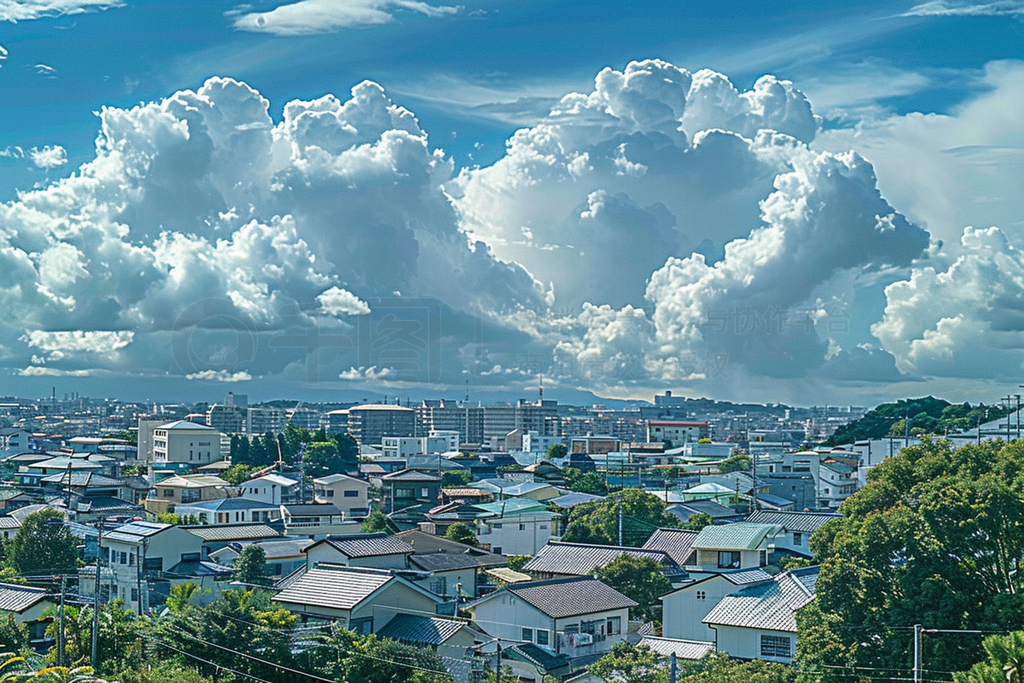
(96,600)
(60,628)
(673,668)
(918,630)
(620,520)
(497,671)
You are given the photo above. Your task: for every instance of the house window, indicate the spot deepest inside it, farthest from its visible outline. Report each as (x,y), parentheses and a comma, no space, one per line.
(124,557)
(798,538)
(728,559)
(440,586)
(496,550)
(131,560)
(528,635)
(424,493)
(702,595)
(153,564)
(495,526)
(776,646)
(168,493)
(614,626)
(522,527)
(363,627)
(542,636)
(543,526)
(348,494)
(135,595)
(826,491)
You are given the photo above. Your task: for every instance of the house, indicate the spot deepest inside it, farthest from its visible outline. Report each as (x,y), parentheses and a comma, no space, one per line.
(534,664)
(445,636)
(167,492)
(516,527)
(230,511)
(274,489)
(348,494)
(571,500)
(315,520)
(407,488)
(188,443)
(9,526)
(358,598)
(797,528)
(284,555)
(139,553)
(561,560)
(677,543)
(360,550)
(450,563)
(27,605)
(579,617)
(217,536)
(684,608)
(759,621)
(837,481)
(741,545)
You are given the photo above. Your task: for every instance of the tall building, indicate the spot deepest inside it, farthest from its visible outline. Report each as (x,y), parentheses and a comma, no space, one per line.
(450,416)
(225,418)
(369,424)
(188,443)
(264,419)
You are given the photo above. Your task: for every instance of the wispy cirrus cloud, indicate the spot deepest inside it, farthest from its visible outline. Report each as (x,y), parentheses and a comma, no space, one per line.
(942,8)
(25,10)
(326,16)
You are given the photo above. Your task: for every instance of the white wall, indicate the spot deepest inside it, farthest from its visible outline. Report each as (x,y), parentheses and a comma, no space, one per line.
(684,609)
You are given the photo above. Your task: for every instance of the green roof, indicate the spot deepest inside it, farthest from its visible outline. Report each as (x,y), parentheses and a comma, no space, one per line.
(737,536)
(512,506)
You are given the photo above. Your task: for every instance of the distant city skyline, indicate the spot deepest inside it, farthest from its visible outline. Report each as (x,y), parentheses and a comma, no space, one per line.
(315,200)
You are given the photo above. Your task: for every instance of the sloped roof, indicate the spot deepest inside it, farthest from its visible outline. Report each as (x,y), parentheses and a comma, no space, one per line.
(770,606)
(683,649)
(273,479)
(184,424)
(232,532)
(443,562)
(369,545)
(571,500)
(135,531)
(410,475)
(8,522)
(80,478)
(274,548)
(234,503)
(333,587)
(803,522)
(420,629)
(708,507)
(533,654)
(736,536)
(678,543)
(424,543)
(15,598)
(580,559)
(511,506)
(561,598)
(333,478)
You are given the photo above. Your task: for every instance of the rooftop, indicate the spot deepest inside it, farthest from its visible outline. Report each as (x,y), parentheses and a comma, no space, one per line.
(677,543)
(770,605)
(804,522)
(580,559)
(334,587)
(736,536)
(369,545)
(561,598)
(420,630)
(16,598)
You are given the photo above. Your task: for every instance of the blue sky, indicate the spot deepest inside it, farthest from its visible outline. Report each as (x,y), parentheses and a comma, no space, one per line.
(895,81)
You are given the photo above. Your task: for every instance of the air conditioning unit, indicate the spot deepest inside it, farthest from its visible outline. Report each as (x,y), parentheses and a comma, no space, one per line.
(585,639)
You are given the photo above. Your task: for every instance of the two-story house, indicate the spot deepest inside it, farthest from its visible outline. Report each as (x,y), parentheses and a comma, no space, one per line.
(169,491)
(797,528)
(274,489)
(348,494)
(729,547)
(360,550)
(516,526)
(580,617)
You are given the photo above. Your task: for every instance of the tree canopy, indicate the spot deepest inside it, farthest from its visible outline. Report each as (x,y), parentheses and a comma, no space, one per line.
(598,521)
(460,532)
(928,415)
(43,545)
(640,579)
(251,566)
(335,456)
(935,538)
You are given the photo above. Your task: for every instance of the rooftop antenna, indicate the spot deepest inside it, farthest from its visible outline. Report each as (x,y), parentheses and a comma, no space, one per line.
(466,401)
(541,385)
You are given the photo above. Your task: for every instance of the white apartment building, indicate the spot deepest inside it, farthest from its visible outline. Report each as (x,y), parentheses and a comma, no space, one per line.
(188,443)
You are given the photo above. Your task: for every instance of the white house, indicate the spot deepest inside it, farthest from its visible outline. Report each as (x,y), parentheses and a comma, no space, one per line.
(271,488)
(516,527)
(728,547)
(684,609)
(797,528)
(348,494)
(188,443)
(230,511)
(360,550)
(759,621)
(578,617)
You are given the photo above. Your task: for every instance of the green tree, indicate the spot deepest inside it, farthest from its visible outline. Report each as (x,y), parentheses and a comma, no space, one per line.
(13,636)
(236,474)
(585,482)
(349,658)
(698,521)
(516,562)
(737,463)
(251,566)
(557,451)
(331,457)
(461,533)
(1004,664)
(377,521)
(598,521)
(935,538)
(455,478)
(626,663)
(182,594)
(43,545)
(640,579)
(717,667)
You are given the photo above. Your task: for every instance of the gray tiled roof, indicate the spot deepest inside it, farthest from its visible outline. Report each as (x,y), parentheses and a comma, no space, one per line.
(561,598)
(410,475)
(232,532)
(442,562)
(710,507)
(747,576)
(133,532)
(419,629)
(683,649)
(369,545)
(736,536)
(769,606)
(15,598)
(580,559)
(425,543)
(339,588)
(804,522)
(678,543)
(8,522)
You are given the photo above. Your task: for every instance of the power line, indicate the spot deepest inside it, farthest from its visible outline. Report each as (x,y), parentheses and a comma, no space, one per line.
(204,661)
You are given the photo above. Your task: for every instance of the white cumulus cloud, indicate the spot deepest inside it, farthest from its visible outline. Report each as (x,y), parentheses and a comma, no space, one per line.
(48,157)
(325,16)
(24,10)
(337,301)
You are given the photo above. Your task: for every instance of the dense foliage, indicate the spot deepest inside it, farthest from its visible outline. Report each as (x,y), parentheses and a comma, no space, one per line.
(460,532)
(641,580)
(936,538)
(927,415)
(598,521)
(628,664)
(43,545)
